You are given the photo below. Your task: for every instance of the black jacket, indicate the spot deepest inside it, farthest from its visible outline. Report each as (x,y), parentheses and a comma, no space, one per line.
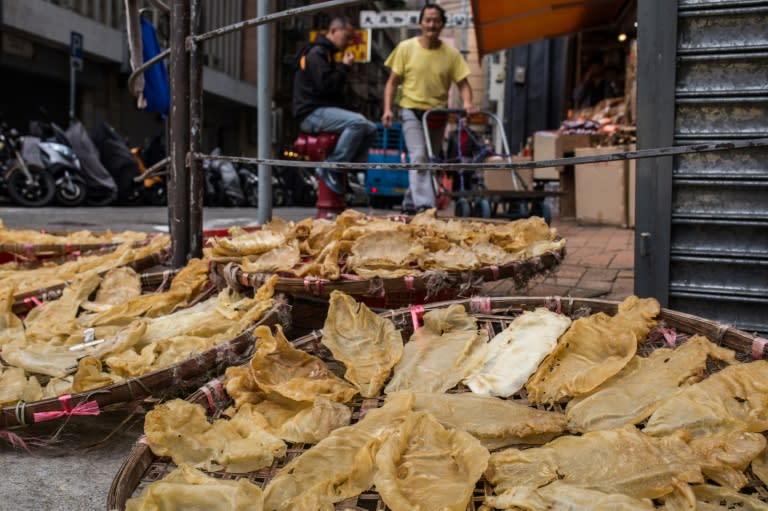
(319,80)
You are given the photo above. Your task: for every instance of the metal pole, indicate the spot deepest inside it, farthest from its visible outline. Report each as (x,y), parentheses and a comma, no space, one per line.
(263,93)
(72,75)
(196,181)
(178,185)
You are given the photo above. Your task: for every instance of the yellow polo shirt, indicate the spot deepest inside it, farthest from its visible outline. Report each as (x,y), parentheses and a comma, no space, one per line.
(426,74)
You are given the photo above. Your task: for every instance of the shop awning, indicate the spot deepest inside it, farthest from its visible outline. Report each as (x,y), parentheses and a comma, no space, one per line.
(501,24)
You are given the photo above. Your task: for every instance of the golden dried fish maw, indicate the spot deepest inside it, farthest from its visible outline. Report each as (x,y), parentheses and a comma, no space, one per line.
(384,249)
(125,338)
(180,430)
(57,318)
(443,352)
(15,386)
(710,497)
(321,234)
(284,372)
(119,285)
(187,488)
(591,351)
(90,376)
(515,353)
(252,243)
(241,386)
(57,387)
(489,253)
(367,344)
(454,258)
(616,461)
(282,258)
(735,398)
(502,423)
(11,327)
(724,457)
(425,466)
(41,358)
(130,363)
(367,226)
(304,422)
(518,235)
(301,230)
(632,395)
(310,482)
(559,496)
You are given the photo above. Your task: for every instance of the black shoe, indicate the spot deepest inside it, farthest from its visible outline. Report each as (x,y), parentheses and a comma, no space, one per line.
(407,211)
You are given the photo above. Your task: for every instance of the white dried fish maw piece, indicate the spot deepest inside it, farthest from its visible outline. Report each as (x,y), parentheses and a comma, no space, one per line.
(515,353)
(41,358)
(284,372)
(304,422)
(425,466)
(440,354)
(282,258)
(15,387)
(591,351)
(11,327)
(368,344)
(310,482)
(187,488)
(617,461)
(389,249)
(502,423)
(256,242)
(119,285)
(724,457)
(565,497)
(634,393)
(710,497)
(735,398)
(455,258)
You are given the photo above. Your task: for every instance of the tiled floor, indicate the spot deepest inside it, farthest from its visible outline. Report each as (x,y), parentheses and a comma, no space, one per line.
(599,262)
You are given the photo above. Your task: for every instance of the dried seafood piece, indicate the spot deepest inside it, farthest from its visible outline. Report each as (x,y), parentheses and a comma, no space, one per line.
(249,243)
(83,237)
(90,375)
(515,352)
(760,466)
(425,466)
(11,327)
(633,394)
(520,234)
(367,344)
(591,351)
(710,498)
(385,254)
(725,456)
(443,352)
(187,488)
(15,386)
(119,285)
(304,422)
(561,496)
(310,481)
(502,423)
(616,461)
(282,258)
(733,399)
(284,372)
(455,258)
(180,429)
(41,358)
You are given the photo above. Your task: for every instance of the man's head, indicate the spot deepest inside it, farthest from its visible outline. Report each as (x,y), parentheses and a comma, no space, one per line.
(432,20)
(340,32)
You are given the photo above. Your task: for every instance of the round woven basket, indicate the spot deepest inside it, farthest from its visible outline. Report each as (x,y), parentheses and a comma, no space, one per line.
(142,467)
(163,383)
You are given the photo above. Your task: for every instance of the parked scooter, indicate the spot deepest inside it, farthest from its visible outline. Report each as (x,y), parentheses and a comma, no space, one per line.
(61,161)
(249,182)
(26,185)
(222,183)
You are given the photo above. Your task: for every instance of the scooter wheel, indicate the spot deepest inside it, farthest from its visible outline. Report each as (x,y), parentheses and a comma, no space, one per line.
(462,209)
(36,193)
(71,194)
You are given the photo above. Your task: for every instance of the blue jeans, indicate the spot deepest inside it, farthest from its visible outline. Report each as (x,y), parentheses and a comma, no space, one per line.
(356,132)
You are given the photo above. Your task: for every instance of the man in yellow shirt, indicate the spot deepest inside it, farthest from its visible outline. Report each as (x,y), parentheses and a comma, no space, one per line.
(426,67)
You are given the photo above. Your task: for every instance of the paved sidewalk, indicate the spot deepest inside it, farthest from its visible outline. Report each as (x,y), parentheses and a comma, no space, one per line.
(599,263)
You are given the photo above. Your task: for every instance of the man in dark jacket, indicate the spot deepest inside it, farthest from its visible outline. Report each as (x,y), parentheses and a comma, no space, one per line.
(318,97)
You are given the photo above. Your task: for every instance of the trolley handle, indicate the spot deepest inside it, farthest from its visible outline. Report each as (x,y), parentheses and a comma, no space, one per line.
(463,113)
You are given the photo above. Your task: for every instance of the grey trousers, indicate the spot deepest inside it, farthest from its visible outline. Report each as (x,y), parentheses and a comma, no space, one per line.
(421,191)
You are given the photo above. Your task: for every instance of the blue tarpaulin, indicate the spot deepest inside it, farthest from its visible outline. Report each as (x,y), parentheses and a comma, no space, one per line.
(156,89)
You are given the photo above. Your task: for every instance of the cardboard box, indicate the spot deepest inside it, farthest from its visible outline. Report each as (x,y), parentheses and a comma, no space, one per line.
(501,180)
(601,188)
(550,145)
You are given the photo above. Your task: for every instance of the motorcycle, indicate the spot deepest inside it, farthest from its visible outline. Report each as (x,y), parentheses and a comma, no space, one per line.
(249,182)
(62,162)
(26,184)
(222,183)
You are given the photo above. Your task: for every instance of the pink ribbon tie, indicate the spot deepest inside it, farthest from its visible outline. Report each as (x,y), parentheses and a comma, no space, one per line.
(409,282)
(86,408)
(417,311)
(670,336)
(757,347)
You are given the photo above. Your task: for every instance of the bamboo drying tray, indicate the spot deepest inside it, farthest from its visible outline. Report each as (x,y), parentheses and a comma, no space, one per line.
(142,467)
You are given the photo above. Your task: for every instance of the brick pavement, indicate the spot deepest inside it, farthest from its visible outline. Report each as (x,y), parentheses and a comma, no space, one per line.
(599,263)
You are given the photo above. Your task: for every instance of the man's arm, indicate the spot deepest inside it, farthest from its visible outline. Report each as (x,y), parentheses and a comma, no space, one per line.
(326,79)
(465,90)
(389,97)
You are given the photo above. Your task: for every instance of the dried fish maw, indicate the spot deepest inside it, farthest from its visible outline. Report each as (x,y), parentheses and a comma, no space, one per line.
(15,387)
(241,386)
(304,422)
(11,327)
(710,497)
(310,482)
(591,351)
(616,461)
(367,344)
(124,339)
(443,352)
(90,376)
(41,358)
(388,250)
(119,285)
(455,258)
(251,243)
(282,258)
(284,372)
(760,466)
(320,235)
(179,429)
(515,353)
(425,466)
(633,394)
(734,399)
(724,457)
(187,488)
(518,235)
(566,497)
(502,423)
